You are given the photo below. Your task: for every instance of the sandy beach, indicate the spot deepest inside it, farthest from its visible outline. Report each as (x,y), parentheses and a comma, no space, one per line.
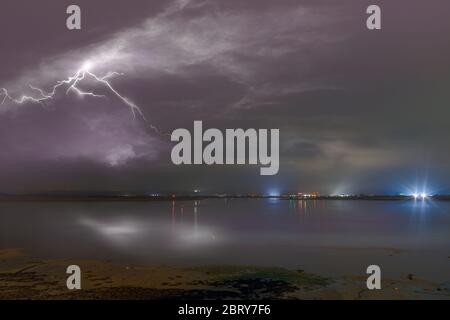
(25,277)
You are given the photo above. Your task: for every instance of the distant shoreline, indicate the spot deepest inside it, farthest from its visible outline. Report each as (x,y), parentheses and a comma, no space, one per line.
(139,198)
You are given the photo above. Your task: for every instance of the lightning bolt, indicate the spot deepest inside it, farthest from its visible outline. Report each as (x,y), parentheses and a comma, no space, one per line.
(72,82)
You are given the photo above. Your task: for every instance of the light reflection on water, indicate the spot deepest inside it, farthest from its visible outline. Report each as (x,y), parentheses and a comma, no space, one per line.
(329,236)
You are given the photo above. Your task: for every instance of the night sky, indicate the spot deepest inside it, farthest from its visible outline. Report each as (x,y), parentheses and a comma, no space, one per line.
(358,110)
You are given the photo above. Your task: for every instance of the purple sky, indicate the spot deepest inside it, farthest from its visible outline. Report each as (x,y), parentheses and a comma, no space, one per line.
(358,110)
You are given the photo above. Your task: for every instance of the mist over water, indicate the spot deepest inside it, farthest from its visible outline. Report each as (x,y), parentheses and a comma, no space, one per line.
(330,237)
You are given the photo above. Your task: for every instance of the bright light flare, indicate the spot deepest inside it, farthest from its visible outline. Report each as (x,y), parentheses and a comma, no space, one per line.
(421,195)
(87,65)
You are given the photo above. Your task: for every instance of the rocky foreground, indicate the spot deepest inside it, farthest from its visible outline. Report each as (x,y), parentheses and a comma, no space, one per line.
(23,277)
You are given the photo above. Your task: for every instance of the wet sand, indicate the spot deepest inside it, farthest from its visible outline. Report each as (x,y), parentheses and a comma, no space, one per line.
(25,277)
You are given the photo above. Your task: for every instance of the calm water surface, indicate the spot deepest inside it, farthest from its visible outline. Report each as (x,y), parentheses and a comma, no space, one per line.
(331,237)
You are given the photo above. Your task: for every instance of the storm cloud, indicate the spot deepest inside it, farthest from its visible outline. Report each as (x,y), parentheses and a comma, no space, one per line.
(358,110)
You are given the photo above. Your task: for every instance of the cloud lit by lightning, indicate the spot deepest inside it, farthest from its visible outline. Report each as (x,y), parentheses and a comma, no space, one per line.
(72,83)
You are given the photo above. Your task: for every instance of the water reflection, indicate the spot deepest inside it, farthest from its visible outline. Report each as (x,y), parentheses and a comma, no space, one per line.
(293,233)
(118,232)
(183,231)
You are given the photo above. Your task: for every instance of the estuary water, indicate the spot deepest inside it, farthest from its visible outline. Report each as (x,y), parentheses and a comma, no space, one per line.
(327,237)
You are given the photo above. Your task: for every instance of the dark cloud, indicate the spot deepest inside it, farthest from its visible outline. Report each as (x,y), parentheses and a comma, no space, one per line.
(358,110)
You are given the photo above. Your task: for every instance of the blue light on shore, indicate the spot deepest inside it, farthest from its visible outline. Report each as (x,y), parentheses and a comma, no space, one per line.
(422,195)
(274,193)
